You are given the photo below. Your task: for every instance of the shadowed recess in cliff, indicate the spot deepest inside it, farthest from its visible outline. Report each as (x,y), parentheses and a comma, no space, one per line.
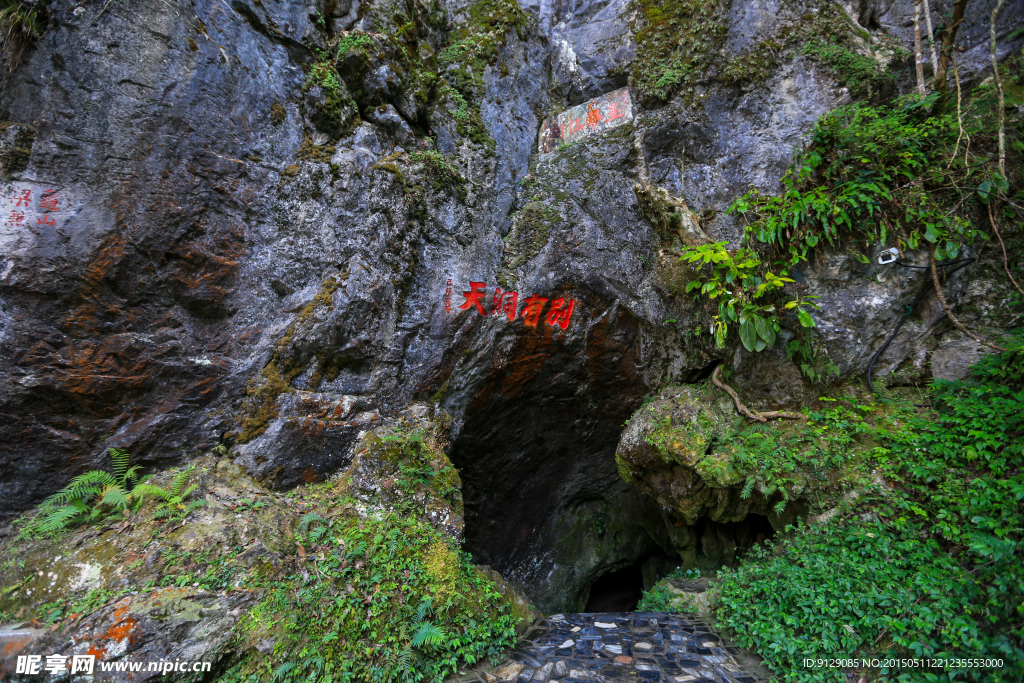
(617,591)
(544,503)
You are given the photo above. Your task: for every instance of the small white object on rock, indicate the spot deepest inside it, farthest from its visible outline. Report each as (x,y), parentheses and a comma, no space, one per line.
(574,629)
(601,624)
(568,643)
(643,646)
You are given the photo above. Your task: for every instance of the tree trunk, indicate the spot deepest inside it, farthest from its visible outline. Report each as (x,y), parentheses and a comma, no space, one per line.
(931,37)
(918,57)
(999,87)
(948,37)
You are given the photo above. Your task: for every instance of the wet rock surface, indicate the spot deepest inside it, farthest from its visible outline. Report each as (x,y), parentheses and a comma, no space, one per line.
(219,251)
(622,646)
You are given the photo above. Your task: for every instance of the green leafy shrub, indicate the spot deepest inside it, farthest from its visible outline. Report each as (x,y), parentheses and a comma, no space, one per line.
(89,497)
(861,74)
(872,174)
(659,597)
(741,279)
(932,568)
(20,27)
(379,593)
(338,104)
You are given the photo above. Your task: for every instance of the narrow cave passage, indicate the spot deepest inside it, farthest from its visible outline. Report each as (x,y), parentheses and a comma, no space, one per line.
(723,543)
(617,591)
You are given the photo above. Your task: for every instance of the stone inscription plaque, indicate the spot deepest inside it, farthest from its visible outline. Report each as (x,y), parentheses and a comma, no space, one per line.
(590,118)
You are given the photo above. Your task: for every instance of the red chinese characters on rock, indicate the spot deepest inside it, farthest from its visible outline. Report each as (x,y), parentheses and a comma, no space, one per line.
(508,306)
(560,312)
(506,303)
(22,198)
(20,203)
(49,201)
(473,296)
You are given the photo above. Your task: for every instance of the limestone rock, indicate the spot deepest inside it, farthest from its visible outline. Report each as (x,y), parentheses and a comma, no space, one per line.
(227,263)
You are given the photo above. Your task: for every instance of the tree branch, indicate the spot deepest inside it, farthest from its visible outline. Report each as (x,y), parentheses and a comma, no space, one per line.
(945,305)
(1006,264)
(918,56)
(744,410)
(931,37)
(948,38)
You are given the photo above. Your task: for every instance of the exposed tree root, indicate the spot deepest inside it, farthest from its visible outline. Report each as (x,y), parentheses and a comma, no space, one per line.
(945,305)
(1006,264)
(744,410)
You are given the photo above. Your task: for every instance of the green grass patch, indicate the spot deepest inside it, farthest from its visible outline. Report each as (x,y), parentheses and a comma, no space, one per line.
(931,568)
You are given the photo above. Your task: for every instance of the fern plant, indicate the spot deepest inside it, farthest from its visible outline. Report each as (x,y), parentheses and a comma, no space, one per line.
(172,500)
(89,497)
(426,634)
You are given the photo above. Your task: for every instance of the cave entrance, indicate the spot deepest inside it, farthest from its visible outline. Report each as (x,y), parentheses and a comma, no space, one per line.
(617,591)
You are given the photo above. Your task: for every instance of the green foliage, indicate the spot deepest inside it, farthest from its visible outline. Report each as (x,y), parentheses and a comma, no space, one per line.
(682,45)
(354,43)
(743,281)
(89,497)
(368,590)
(812,359)
(443,173)
(20,27)
(172,503)
(475,45)
(659,598)
(861,74)
(933,567)
(677,45)
(877,175)
(378,593)
(338,104)
(813,454)
(874,175)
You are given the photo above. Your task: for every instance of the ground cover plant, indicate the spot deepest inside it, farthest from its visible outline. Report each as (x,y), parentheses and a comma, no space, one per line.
(380,594)
(357,579)
(929,566)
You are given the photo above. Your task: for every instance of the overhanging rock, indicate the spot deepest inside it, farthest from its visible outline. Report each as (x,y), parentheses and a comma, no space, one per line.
(590,118)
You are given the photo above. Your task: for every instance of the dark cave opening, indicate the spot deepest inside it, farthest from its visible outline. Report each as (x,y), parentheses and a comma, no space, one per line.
(617,591)
(699,374)
(722,543)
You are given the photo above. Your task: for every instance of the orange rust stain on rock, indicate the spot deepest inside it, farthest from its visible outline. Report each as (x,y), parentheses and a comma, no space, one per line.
(121,629)
(12,646)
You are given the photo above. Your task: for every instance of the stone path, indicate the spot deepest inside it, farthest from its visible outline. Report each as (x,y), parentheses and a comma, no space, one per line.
(644,647)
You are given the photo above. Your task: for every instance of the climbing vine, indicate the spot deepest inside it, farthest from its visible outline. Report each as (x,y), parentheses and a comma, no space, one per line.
(910,173)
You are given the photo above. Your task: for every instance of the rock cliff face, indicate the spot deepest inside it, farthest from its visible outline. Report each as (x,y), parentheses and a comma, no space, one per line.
(264,226)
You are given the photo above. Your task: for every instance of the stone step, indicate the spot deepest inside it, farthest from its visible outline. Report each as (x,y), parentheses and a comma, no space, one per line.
(652,647)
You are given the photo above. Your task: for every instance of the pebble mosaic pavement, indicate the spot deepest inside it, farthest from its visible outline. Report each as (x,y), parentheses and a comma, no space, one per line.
(645,647)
